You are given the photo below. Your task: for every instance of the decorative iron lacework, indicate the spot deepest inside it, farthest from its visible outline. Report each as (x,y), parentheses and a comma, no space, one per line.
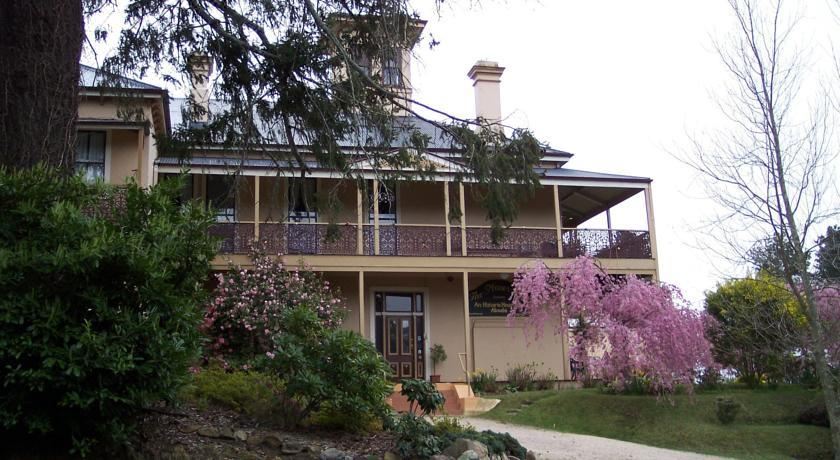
(236,238)
(430,241)
(607,244)
(517,242)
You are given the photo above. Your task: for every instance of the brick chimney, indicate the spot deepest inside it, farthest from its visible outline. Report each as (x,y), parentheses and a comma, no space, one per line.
(200,68)
(486,77)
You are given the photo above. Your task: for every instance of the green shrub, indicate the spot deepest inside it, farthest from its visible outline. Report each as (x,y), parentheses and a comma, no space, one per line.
(521,377)
(99,288)
(483,381)
(252,393)
(328,370)
(416,437)
(422,395)
(726,409)
(451,425)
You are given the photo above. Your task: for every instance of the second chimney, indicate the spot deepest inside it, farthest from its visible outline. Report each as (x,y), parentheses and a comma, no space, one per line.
(486,77)
(200,68)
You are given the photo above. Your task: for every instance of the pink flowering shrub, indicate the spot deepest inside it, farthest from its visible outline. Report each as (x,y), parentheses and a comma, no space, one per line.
(245,313)
(628,330)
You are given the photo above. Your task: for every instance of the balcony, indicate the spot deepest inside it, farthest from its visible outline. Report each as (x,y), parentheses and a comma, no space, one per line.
(431,240)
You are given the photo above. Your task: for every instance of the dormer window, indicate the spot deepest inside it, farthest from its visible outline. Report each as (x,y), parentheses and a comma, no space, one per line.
(391,71)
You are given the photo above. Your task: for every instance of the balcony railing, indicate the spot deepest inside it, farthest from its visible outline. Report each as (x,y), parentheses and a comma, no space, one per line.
(430,241)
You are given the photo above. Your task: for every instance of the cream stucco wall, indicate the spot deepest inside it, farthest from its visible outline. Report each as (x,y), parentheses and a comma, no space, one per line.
(273,192)
(342,190)
(494,342)
(498,345)
(444,312)
(537,211)
(124,149)
(133,149)
(420,203)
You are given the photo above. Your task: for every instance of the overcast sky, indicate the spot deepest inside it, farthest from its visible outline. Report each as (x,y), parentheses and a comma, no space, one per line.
(620,84)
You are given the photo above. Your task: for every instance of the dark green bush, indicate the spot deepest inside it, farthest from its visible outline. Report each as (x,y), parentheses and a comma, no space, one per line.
(416,437)
(329,370)
(422,395)
(99,288)
(726,409)
(814,415)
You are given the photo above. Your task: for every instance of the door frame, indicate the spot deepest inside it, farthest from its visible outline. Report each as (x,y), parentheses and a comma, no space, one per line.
(426,303)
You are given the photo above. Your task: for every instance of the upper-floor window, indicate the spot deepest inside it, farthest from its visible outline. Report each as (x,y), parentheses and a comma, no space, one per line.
(186,192)
(90,155)
(302,200)
(391,71)
(221,197)
(387,203)
(362,60)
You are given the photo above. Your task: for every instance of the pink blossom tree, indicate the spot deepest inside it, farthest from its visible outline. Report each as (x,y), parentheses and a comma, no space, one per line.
(245,312)
(627,328)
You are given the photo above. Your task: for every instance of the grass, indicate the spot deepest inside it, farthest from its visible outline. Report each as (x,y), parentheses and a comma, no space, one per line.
(766,426)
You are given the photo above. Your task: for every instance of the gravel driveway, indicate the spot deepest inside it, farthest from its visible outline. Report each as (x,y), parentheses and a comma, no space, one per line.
(555,445)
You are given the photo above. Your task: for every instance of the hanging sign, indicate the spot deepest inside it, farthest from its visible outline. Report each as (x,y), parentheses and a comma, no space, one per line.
(491,299)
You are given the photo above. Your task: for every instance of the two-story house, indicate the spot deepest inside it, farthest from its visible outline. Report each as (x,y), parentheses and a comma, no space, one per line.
(412,277)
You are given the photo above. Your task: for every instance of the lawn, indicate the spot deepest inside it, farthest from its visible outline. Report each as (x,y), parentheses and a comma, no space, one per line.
(766,427)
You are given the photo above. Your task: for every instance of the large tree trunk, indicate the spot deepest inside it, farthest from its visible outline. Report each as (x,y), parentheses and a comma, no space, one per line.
(39,80)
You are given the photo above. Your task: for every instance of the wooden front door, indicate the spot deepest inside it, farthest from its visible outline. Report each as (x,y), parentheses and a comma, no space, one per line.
(400,331)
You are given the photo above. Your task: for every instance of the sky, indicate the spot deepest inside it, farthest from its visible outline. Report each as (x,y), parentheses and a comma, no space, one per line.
(621,85)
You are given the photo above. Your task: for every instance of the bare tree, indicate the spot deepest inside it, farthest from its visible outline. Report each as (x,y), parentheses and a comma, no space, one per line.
(767,170)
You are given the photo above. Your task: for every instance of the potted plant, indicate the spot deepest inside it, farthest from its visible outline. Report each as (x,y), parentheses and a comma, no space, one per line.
(437,355)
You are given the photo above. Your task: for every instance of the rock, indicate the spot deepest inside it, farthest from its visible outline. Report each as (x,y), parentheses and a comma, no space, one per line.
(530,455)
(226,433)
(390,456)
(188,428)
(272,440)
(513,458)
(254,441)
(441,457)
(332,454)
(292,447)
(462,445)
(208,432)
(469,455)
(240,435)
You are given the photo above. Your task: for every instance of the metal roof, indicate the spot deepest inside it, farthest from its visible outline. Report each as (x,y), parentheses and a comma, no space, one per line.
(93,77)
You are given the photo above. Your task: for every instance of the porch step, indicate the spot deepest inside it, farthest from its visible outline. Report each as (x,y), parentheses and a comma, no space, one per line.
(453,394)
